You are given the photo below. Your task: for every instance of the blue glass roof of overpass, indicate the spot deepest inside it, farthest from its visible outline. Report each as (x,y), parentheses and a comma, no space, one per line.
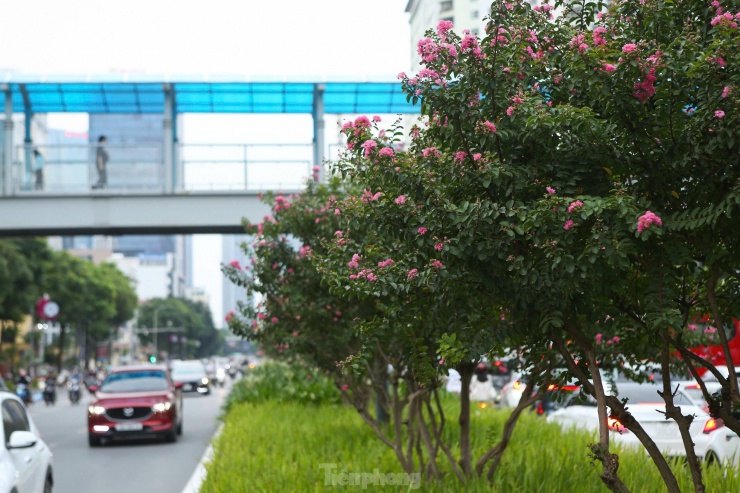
(112,95)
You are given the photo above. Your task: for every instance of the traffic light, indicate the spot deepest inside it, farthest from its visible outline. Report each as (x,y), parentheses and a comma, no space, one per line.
(152,359)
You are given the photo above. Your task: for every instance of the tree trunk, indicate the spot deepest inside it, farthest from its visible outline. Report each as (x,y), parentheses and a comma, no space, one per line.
(60,359)
(466,459)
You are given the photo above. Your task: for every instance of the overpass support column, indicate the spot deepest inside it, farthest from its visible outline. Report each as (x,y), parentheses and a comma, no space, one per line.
(168,144)
(7,168)
(319,145)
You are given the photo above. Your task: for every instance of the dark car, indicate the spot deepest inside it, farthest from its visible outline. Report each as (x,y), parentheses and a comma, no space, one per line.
(135,402)
(192,376)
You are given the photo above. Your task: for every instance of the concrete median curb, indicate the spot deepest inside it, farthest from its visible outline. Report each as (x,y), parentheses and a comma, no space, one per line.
(196,480)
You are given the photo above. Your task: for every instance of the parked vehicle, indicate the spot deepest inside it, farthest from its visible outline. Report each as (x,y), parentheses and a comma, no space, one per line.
(25,460)
(192,376)
(135,402)
(713,441)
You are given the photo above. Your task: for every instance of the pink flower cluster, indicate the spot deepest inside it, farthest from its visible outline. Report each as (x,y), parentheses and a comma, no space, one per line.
(443,27)
(366,274)
(430,151)
(413,273)
(355,262)
(422,230)
(386,263)
(369,145)
(646,220)
(368,196)
(305,250)
(400,200)
(645,89)
(281,202)
(229,316)
(568,224)
(550,190)
(719,114)
(439,246)
(235,264)
(629,48)
(460,156)
(726,19)
(575,205)
(490,126)
(437,264)
(386,152)
(598,339)
(598,36)
(427,49)
(726,91)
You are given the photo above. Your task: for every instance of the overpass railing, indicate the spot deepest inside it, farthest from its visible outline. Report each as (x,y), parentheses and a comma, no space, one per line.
(71,169)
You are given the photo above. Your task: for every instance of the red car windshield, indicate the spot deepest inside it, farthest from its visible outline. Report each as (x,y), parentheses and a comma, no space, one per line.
(135,381)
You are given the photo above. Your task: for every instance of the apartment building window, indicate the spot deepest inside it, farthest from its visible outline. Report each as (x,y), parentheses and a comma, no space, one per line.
(445,5)
(475,14)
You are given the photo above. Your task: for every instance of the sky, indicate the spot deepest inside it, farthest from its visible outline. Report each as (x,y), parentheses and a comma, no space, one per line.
(293,39)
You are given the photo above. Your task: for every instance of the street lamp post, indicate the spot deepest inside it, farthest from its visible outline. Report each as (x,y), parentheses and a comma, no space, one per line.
(156,347)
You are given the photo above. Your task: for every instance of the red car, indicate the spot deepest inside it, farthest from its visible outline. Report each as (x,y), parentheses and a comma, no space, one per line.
(135,402)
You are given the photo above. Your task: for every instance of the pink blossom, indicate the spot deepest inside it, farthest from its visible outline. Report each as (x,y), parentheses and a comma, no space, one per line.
(386,151)
(726,91)
(386,263)
(460,156)
(401,75)
(338,234)
(646,220)
(430,151)
(629,48)
(348,126)
(692,327)
(369,145)
(510,110)
(490,126)
(615,339)
(608,67)
(413,273)
(229,316)
(371,277)
(400,200)
(376,119)
(422,230)
(477,156)
(550,190)
(337,212)
(439,246)
(235,264)
(437,264)
(274,320)
(597,339)
(305,250)
(710,330)
(443,27)
(362,122)
(719,114)
(721,62)
(345,387)
(568,224)
(575,205)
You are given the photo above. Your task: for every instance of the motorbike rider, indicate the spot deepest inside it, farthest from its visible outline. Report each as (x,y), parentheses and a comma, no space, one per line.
(50,391)
(23,382)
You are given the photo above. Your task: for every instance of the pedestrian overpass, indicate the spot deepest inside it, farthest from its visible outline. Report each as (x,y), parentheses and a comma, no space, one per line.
(167,187)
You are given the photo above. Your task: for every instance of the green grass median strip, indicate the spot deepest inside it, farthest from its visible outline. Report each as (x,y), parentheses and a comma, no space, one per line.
(289,447)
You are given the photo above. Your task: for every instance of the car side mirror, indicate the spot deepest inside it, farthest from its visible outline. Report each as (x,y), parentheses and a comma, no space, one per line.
(92,388)
(22,439)
(178,385)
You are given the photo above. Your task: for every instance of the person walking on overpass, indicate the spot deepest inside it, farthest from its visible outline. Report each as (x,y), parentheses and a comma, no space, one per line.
(101,163)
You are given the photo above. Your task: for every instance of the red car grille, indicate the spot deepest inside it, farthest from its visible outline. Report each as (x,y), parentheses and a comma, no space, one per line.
(126,413)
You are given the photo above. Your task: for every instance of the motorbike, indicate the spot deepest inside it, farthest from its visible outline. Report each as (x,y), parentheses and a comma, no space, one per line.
(221,377)
(22,391)
(73,390)
(50,393)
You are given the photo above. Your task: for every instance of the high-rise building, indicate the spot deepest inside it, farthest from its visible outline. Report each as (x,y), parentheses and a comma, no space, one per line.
(232,294)
(136,141)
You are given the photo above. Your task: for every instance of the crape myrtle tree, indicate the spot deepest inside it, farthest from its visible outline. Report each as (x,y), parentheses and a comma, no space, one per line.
(297,318)
(584,169)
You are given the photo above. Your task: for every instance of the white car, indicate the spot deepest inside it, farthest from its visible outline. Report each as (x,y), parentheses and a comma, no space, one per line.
(25,460)
(713,441)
